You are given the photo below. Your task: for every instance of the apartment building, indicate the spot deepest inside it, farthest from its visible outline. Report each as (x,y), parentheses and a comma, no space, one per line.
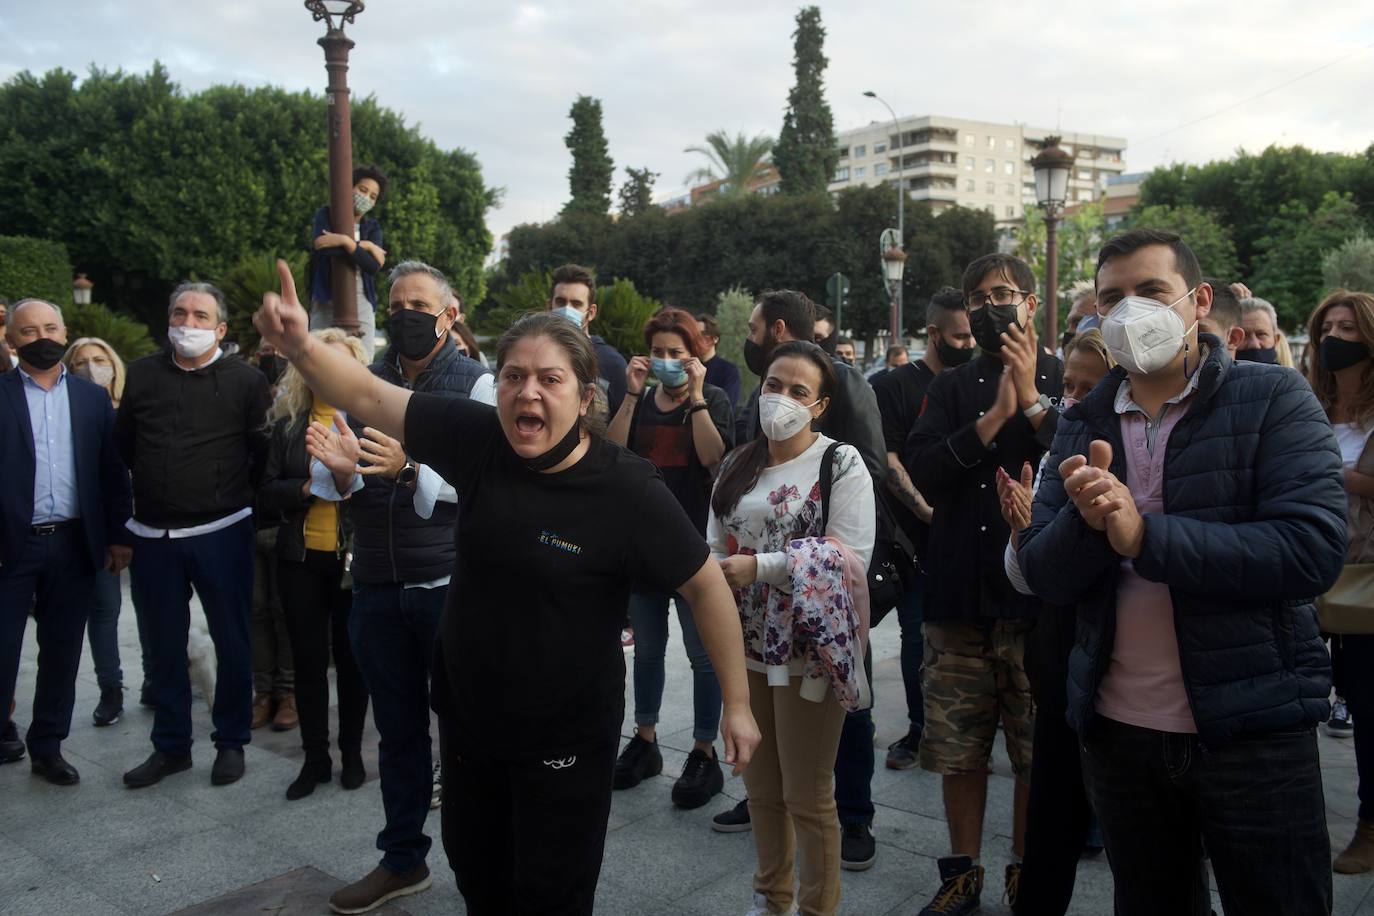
(979,164)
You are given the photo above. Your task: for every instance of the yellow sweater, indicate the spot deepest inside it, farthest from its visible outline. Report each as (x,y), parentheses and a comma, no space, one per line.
(322,518)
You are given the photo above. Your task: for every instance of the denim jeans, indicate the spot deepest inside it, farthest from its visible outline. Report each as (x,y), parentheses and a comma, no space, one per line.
(649,618)
(854,762)
(1256,802)
(910,616)
(392,630)
(102,629)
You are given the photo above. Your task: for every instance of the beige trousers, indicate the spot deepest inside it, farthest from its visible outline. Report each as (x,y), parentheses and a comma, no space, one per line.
(791,783)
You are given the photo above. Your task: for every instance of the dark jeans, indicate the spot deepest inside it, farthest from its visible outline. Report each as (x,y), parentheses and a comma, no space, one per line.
(910,616)
(1357,686)
(1255,801)
(103,630)
(316,610)
(526,837)
(56,569)
(854,762)
(219,566)
(269,630)
(649,617)
(392,630)
(1057,818)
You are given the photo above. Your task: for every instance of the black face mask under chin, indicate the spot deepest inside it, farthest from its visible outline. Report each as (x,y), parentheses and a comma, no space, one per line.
(560,452)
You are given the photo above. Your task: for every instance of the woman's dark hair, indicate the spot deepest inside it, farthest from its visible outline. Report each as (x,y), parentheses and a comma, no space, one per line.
(675,321)
(575,343)
(741,468)
(469,340)
(376,174)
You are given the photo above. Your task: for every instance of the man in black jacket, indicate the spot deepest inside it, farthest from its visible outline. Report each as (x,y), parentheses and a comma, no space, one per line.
(1190,510)
(191,427)
(994,412)
(403,517)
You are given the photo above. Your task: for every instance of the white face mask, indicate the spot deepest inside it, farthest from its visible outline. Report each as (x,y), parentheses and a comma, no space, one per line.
(1144,335)
(191,343)
(782,418)
(362,203)
(100,374)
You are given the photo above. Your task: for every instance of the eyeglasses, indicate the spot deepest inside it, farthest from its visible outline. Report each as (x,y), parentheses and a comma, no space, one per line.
(1001,295)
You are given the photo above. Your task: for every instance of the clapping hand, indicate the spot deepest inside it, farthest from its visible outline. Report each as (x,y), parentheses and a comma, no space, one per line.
(333,446)
(1103,501)
(1015,499)
(1020,353)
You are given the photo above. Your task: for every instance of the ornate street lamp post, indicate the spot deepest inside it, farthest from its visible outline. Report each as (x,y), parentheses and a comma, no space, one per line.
(894,265)
(335,14)
(1052,167)
(901,204)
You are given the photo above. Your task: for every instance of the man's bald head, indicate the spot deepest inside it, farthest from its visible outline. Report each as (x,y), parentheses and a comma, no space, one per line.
(40,312)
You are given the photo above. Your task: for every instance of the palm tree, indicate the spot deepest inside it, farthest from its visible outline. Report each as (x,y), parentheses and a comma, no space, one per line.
(734,162)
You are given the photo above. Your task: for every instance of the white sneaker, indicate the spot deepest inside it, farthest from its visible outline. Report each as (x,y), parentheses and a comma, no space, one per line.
(760,907)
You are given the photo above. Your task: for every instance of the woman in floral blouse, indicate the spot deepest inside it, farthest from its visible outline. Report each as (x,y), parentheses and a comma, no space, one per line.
(768,495)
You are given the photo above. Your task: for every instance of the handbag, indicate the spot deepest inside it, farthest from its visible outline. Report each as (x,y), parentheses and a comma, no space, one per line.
(1348,608)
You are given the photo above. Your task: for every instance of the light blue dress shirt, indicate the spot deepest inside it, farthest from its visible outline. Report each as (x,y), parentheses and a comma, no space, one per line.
(54,469)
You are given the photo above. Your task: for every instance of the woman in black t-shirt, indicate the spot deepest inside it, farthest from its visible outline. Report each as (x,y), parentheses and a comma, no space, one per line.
(528,677)
(683,426)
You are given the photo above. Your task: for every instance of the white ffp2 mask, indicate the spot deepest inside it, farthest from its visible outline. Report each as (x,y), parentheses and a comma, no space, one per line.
(781,418)
(1144,335)
(191,342)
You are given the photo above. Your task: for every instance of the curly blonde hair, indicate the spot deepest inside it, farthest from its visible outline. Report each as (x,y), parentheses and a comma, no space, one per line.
(293,395)
(116,386)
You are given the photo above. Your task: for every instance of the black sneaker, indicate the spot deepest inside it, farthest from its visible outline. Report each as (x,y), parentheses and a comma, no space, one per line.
(110,707)
(1339,724)
(1011,888)
(636,763)
(736,820)
(901,754)
(857,849)
(961,884)
(701,779)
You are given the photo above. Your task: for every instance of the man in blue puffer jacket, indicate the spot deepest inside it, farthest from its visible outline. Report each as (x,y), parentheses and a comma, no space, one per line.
(1196,504)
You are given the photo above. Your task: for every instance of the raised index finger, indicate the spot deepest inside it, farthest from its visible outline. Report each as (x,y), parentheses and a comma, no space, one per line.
(288,283)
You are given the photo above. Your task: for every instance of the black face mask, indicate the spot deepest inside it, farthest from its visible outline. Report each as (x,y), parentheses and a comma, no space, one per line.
(1259,355)
(1065,338)
(828,344)
(847,360)
(413,333)
(42,353)
(756,357)
(272,366)
(989,323)
(952,356)
(1337,353)
(559,453)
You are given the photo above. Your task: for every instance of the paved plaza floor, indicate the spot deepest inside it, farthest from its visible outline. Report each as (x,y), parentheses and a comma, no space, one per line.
(99,848)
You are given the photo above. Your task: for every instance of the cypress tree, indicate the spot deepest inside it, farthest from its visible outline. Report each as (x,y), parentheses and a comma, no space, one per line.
(589,178)
(806,152)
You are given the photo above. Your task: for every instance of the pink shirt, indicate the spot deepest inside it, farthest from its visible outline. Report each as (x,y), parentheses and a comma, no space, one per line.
(1143,685)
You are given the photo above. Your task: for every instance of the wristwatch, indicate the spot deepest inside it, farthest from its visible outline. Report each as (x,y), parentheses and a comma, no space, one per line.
(1038,407)
(406,476)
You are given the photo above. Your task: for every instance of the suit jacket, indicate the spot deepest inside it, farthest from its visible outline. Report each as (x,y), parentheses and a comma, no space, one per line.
(102,481)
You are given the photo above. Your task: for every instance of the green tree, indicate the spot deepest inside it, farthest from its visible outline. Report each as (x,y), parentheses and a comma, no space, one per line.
(243,285)
(529,293)
(34,267)
(621,312)
(637,193)
(1080,236)
(129,338)
(589,177)
(1291,255)
(1350,266)
(735,162)
(733,308)
(806,153)
(1207,235)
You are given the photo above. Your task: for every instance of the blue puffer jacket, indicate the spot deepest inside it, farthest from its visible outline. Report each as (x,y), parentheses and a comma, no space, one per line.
(1254,527)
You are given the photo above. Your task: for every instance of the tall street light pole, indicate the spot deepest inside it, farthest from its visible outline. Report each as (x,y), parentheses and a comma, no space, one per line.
(901,211)
(1052,167)
(343,279)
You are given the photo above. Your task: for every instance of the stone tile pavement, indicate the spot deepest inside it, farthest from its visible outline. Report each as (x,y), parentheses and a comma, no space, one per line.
(99,848)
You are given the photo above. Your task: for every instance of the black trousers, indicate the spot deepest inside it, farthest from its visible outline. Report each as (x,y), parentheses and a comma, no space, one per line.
(316,610)
(523,837)
(1057,818)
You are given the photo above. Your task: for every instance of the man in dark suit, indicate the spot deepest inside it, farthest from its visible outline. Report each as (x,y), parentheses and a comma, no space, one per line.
(64,499)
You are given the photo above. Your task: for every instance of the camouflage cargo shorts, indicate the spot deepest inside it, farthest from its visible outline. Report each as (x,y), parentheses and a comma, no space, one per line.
(974,672)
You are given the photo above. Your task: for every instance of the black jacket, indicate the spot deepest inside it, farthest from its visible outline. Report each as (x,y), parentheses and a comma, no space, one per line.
(957,475)
(390,542)
(1253,528)
(196,441)
(280,501)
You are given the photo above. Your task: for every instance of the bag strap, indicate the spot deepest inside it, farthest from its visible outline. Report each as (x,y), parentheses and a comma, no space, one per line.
(827,479)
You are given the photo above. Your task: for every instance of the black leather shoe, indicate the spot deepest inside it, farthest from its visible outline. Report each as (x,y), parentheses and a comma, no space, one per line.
(313,773)
(228,766)
(54,769)
(151,771)
(11,751)
(110,707)
(353,775)
(145,694)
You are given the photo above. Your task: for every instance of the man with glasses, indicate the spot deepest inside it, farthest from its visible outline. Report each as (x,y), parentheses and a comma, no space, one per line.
(993,414)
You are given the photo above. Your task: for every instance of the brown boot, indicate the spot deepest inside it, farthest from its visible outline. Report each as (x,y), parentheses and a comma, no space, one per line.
(286,718)
(377,888)
(262,710)
(1358,857)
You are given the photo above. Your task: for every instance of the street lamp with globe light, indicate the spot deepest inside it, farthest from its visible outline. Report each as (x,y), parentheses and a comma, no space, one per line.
(1052,167)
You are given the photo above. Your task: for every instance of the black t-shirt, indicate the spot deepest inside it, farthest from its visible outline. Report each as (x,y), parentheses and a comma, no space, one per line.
(530,635)
(901,393)
(665,439)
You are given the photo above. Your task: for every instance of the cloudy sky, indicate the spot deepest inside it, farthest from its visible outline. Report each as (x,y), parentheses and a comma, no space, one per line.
(497,78)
